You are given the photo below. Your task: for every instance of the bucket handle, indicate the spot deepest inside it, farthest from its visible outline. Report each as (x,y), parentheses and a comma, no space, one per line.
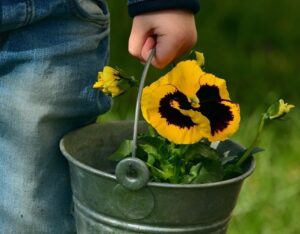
(132,172)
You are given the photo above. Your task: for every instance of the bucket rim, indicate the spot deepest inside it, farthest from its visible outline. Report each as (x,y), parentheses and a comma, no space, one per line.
(100,173)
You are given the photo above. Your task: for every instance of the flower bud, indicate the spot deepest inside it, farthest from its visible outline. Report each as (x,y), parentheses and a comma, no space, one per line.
(279,109)
(111,82)
(200,58)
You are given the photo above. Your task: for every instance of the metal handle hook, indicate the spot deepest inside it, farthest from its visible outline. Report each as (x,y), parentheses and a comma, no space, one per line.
(132,172)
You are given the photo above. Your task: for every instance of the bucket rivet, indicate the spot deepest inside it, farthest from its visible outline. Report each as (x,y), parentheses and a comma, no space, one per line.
(132,173)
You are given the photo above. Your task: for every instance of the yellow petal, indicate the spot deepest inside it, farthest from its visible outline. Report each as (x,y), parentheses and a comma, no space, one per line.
(151,104)
(108,81)
(98,84)
(184,76)
(115,91)
(212,80)
(110,70)
(231,127)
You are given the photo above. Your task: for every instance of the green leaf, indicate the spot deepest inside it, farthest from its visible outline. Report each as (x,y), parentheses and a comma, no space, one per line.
(123,84)
(154,146)
(194,171)
(231,171)
(141,154)
(230,164)
(256,150)
(157,174)
(155,141)
(151,150)
(168,169)
(202,150)
(123,151)
(150,159)
(211,171)
(229,159)
(177,150)
(151,131)
(233,158)
(273,110)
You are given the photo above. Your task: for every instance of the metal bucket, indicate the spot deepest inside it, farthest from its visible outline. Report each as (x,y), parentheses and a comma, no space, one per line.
(104,206)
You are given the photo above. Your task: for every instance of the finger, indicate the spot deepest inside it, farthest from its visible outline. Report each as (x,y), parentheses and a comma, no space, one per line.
(170,47)
(137,39)
(166,51)
(147,47)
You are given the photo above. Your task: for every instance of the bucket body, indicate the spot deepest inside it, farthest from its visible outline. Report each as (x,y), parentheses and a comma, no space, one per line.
(104,206)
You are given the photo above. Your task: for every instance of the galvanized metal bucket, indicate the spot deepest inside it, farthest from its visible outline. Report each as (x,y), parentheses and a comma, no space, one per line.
(102,205)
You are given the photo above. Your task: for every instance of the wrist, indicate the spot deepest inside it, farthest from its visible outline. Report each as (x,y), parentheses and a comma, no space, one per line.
(141,7)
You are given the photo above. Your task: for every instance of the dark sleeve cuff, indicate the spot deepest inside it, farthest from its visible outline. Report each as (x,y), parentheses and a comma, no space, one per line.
(140,7)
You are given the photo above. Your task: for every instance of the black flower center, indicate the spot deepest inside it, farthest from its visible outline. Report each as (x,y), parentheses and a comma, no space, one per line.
(208,93)
(172,115)
(211,107)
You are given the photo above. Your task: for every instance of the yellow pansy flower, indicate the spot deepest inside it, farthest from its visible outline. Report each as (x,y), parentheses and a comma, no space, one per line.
(187,104)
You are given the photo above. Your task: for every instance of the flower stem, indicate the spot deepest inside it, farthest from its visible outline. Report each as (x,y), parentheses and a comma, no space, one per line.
(247,153)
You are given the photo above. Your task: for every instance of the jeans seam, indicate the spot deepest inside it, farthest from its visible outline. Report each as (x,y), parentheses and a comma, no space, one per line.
(29,11)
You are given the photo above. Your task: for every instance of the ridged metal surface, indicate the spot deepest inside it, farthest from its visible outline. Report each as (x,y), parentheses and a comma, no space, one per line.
(102,207)
(89,218)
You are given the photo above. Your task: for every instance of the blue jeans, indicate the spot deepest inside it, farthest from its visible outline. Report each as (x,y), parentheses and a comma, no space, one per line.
(50,53)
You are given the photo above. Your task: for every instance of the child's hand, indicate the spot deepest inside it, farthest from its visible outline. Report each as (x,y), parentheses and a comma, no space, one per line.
(171,32)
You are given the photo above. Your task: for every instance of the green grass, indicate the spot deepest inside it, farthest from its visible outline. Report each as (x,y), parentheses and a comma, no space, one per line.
(269,200)
(255,46)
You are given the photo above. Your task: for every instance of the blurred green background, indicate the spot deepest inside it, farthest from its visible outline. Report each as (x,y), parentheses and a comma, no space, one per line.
(255,46)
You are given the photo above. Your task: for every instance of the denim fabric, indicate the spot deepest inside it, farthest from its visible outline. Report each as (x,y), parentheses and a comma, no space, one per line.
(50,53)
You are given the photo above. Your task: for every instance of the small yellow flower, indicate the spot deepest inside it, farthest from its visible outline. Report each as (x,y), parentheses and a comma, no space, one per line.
(279,109)
(108,81)
(187,104)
